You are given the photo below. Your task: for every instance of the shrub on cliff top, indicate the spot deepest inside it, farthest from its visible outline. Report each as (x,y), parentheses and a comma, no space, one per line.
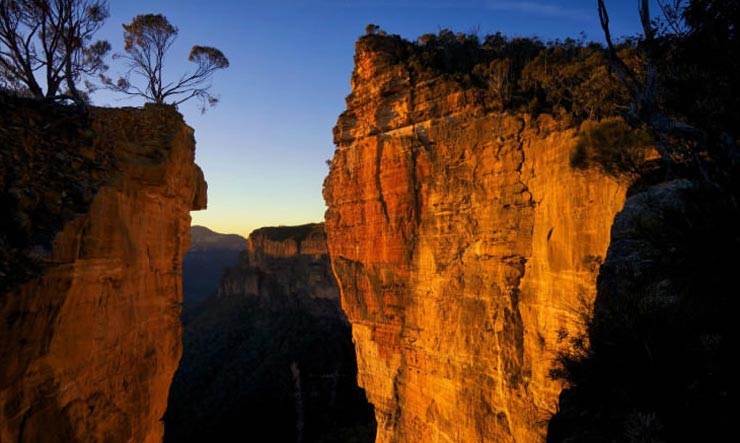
(612,146)
(569,78)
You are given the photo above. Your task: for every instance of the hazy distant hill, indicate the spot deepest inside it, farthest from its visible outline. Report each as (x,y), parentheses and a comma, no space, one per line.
(209,254)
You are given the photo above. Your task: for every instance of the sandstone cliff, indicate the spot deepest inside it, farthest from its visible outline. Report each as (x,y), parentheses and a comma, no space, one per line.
(285,260)
(89,345)
(285,366)
(464,245)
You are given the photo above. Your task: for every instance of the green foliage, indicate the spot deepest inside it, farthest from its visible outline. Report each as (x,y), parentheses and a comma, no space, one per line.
(612,146)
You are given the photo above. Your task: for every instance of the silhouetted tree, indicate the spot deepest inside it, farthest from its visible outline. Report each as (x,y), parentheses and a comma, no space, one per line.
(694,47)
(50,39)
(146,41)
(371,29)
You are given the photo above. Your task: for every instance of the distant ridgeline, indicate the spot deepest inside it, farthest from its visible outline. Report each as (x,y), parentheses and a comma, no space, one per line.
(209,255)
(270,357)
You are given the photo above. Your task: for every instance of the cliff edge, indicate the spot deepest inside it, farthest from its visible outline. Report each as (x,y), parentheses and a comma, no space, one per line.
(464,243)
(97,208)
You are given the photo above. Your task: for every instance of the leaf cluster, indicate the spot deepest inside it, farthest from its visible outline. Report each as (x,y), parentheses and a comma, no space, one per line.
(612,146)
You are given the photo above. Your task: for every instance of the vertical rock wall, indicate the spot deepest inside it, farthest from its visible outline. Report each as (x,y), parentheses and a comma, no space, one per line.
(465,246)
(88,349)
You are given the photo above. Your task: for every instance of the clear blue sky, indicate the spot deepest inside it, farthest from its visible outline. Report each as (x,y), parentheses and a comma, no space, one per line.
(263,147)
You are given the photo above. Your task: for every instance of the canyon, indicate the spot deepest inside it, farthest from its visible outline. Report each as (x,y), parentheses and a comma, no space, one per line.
(98,205)
(466,248)
(271,352)
(486,271)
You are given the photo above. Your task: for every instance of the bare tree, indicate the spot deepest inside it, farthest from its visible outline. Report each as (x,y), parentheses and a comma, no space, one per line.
(48,44)
(147,40)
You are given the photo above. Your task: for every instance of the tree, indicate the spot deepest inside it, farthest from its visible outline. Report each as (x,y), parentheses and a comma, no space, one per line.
(50,39)
(679,54)
(371,29)
(147,39)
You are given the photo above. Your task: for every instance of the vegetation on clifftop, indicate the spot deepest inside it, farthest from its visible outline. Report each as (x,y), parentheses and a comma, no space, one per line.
(568,78)
(49,173)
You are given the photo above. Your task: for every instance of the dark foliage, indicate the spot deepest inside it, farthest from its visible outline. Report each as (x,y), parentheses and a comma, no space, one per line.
(235,379)
(658,368)
(569,77)
(49,172)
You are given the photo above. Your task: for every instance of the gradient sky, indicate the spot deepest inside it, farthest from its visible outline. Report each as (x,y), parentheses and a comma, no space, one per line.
(263,148)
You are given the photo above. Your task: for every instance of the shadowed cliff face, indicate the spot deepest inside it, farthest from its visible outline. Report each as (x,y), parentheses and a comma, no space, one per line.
(88,347)
(270,357)
(659,365)
(463,243)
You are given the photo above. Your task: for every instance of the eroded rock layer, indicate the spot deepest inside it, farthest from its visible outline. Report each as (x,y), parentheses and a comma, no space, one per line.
(88,348)
(464,245)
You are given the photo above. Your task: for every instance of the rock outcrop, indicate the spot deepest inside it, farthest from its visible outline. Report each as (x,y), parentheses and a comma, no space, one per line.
(284,367)
(465,246)
(285,260)
(89,345)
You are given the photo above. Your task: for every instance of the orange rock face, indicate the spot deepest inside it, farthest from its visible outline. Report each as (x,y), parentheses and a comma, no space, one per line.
(90,347)
(465,247)
(286,261)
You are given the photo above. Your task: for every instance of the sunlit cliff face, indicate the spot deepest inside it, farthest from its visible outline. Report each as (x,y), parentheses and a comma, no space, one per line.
(464,245)
(89,348)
